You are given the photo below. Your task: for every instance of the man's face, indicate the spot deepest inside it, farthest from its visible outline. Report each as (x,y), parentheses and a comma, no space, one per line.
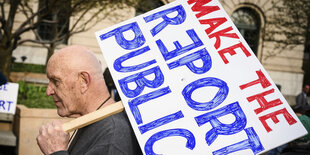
(62,87)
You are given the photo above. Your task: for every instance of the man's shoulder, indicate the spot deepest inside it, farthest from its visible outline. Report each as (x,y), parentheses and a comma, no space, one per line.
(117,121)
(120,117)
(111,133)
(299,95)
(107,128)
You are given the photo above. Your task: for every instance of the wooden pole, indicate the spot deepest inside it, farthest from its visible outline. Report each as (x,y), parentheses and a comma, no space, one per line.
(93,117)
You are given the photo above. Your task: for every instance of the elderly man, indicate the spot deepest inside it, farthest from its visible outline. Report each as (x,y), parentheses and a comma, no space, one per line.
(78,88)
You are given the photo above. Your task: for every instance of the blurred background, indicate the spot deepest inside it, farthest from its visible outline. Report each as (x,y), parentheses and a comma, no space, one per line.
(278,32)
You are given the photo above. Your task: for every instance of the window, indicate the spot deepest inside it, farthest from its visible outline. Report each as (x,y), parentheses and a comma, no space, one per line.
(248,23)
(148,5)
(54,19)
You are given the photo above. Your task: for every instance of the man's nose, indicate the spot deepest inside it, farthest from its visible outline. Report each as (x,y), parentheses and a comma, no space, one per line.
(49,90)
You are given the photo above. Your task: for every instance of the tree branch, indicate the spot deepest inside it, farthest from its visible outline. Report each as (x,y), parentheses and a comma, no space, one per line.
(21,28)
(12,12)
(81,16)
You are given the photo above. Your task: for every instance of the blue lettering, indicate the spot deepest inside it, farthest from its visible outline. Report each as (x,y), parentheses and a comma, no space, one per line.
(3,87)
(2,104)
(190,144)
(209,81)
(133,104)
(179,19)
(118,62)
(140,81)
(252,143)
(160,122)
(138,41)
(188,60)
(221,128)
(9,106)
(179,49)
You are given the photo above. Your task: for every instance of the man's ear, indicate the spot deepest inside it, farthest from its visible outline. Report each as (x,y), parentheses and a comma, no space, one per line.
(84,79)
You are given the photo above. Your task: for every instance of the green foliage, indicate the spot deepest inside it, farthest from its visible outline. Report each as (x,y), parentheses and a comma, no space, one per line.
(34,68)
(34,96)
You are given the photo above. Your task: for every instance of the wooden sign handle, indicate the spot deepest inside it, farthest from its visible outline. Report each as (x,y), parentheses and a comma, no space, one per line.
(93,117)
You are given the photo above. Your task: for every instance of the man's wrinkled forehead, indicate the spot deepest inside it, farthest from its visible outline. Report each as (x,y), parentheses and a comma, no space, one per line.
(53,72)
(57,66)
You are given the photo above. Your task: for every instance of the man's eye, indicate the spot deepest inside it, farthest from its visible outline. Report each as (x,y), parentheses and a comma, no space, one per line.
(56,82)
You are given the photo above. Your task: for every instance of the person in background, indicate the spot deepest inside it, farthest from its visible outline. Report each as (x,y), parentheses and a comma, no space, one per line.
(304,117)
(2,79)
(111,86)
(301,99)
(77,87)
(300,146)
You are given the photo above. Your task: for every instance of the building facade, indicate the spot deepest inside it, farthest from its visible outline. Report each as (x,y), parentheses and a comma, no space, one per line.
(250,16)
(285,67)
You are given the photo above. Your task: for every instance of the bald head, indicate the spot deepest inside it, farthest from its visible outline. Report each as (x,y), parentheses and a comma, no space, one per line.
(76,58)
(76,81)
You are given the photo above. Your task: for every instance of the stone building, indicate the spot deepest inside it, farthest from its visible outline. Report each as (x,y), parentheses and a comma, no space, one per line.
(285,67)
(249,16)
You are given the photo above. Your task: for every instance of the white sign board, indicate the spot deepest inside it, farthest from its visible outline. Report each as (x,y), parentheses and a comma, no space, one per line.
(8,97)
(190,84)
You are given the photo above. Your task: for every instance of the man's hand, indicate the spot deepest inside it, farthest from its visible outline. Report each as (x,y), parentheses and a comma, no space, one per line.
(52,138)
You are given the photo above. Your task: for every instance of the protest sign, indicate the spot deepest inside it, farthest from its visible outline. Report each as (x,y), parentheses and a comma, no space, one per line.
(190,84)
(8,97)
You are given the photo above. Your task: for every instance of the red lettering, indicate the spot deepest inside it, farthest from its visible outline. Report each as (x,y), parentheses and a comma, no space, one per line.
(264,104)
(261,79)
(222,33)
(203,10)
(213,22)
(274,118)
(231,51)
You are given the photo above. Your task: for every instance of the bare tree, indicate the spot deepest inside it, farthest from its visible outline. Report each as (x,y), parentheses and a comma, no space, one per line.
(54,16)
(290,27)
